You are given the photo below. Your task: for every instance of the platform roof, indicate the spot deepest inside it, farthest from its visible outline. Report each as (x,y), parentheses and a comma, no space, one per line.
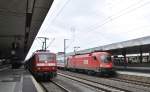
(134,46)
(20,21)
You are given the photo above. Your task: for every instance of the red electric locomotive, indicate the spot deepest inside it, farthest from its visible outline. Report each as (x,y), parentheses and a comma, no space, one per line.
(42,65)
(95,62)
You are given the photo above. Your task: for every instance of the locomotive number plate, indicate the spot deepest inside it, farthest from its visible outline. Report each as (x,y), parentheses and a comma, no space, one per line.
(85,61)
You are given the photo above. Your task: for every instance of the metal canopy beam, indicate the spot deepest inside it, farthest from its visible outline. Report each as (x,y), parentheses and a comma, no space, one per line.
(131,47)
(21,20)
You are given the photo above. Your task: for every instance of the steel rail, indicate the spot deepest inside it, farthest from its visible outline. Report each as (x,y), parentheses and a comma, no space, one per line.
(100,86)
(55,83)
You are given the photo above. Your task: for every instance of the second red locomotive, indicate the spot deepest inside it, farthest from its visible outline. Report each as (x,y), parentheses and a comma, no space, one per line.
(95,62)
(42,65)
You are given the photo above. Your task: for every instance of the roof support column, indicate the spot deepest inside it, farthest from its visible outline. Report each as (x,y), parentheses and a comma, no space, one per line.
(29,9)
(141,52)
(149,57)
(125,58)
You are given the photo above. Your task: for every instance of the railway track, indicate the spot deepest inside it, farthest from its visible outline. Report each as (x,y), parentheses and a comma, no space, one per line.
(97,85)
(136,82)
(145,84)
(53,86)
(4,67)
(124,85)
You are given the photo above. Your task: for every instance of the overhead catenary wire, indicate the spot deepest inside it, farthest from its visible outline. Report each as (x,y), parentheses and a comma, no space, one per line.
(38,41)
(61,9)
(50,43)
(44,42)
(73,30)
(114,17)
(109,18)
(59,12)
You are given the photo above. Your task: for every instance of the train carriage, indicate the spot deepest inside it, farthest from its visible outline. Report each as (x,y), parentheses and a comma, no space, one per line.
(60,62)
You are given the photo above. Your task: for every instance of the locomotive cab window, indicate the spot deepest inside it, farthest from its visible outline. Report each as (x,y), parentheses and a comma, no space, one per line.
(105,58)
(94,57)
(46,57)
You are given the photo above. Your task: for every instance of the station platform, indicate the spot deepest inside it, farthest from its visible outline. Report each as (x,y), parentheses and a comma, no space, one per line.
(134,73)
(17,80)
(135,68)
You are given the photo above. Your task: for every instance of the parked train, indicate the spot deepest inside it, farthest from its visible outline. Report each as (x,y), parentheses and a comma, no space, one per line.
(42,65)
(95,62)
(16,59)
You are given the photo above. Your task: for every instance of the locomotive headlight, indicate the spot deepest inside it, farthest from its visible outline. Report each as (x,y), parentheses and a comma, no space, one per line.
(13,52)
(39,68)
(51,64)
(105,65)
(40,64)
(53,68)
(101,65)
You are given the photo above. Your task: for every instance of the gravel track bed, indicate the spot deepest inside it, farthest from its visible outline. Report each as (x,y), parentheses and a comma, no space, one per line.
(108,81)
(136,82)
(96,85)
(51,87)
(134,78)
(70,85)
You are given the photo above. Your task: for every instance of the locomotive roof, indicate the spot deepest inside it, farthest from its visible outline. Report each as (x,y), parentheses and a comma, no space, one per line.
(93,53)
(42,51)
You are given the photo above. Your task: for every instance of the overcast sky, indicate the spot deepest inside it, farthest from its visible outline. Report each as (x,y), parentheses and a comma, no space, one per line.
(91,23)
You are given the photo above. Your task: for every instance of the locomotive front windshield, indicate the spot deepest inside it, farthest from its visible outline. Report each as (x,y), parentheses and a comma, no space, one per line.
(105,58)
(46,57)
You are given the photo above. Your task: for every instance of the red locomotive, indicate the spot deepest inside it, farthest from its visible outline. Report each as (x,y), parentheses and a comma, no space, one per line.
(95,62)
(42,65)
